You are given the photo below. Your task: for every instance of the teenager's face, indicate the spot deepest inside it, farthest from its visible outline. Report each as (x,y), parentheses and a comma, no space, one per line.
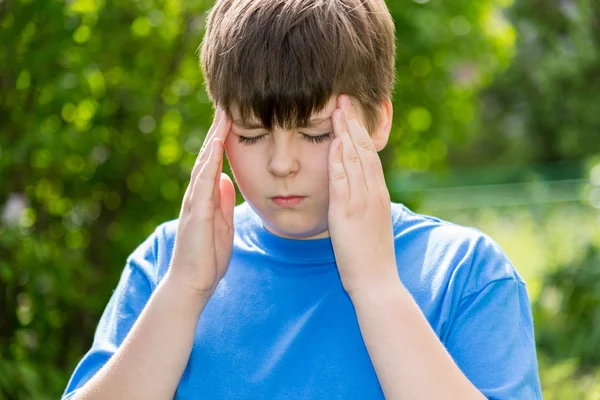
(268,166)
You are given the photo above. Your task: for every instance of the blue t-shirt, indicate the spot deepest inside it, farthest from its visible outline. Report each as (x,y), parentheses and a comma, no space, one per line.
(281,326)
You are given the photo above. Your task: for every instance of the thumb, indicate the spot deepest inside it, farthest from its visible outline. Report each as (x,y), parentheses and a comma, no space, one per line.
(227,198)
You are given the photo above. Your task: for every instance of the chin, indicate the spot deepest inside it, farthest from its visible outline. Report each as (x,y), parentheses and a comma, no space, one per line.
(304,225)
(297,229)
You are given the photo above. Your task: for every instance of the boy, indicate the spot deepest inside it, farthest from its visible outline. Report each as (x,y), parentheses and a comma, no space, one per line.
(317,287)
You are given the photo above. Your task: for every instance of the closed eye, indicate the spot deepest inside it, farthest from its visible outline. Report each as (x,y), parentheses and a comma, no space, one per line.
(319,138)
(248,141)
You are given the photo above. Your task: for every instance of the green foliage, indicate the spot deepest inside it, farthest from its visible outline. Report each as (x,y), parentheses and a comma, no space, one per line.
(567,312)
(102,111)
(545,107)
(561,380)
(447,52)
(101,114)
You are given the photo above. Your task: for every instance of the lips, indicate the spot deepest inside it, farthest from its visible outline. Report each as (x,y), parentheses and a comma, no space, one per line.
(287,201)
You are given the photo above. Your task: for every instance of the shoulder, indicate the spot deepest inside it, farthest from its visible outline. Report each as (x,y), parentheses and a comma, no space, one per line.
(455,254)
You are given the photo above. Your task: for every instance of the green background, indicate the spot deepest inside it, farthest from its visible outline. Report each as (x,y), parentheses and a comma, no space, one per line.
(102,111)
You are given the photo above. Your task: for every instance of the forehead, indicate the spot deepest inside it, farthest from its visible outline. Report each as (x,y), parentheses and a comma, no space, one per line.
(316,117)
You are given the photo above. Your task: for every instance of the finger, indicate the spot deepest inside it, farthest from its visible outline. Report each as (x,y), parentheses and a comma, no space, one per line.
(202,154)
(217,188)
(212,133)
(338,180)
(224,127)
(217,193)
(221,131)
(211,130)
(363,144)
(204,184)
(204,151)
(350,158)
(227,198)
(216,199)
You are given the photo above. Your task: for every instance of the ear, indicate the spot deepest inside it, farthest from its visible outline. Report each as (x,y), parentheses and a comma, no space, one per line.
(381,133)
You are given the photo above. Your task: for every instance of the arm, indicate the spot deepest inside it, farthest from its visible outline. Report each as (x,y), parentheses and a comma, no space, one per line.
(490,338)
(151,360)
(410,361)
(147,360)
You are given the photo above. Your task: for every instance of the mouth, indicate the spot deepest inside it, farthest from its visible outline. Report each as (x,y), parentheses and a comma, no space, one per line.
(287,201)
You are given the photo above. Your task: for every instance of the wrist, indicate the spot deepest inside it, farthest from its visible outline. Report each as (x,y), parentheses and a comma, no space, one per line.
(375,285)
(180,285)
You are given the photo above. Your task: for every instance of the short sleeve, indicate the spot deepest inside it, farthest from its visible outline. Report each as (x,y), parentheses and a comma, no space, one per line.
(491,336)
(136,284)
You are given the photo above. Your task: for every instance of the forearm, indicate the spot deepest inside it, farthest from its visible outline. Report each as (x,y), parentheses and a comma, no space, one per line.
(410,361)
(153,356)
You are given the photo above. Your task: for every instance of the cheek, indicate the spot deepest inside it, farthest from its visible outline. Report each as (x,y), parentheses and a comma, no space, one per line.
(316,166)
(229,148)
(235,153)
(242,160)
(319,158)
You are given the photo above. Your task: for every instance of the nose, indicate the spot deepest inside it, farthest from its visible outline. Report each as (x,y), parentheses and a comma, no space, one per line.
(283,160)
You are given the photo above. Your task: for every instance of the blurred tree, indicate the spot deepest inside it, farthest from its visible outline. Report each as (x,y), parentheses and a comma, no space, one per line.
(567,312)
(544,108)
(447,53)
(102,111)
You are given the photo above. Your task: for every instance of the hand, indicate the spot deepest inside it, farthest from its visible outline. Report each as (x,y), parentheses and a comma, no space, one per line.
(360,223)
(204,239)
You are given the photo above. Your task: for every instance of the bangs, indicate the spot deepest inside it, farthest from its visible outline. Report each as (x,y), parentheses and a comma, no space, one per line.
(280,62)
(280,106)
(280,79)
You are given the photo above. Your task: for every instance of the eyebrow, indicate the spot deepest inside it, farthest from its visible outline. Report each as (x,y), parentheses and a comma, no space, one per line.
(257,125)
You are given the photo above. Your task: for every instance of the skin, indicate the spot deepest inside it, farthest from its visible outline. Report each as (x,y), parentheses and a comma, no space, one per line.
(150,362)
(409,360)
(289,163)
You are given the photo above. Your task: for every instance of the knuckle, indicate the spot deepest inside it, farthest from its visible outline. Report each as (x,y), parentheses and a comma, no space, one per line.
(187,205)
(204,175)
(211,158)
(353,158)
(367,145)
(339,176)
(338,161)
(201,156)
(197,168)
(208,171)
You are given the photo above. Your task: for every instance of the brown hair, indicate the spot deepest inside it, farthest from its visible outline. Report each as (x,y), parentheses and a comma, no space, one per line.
(281,60)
